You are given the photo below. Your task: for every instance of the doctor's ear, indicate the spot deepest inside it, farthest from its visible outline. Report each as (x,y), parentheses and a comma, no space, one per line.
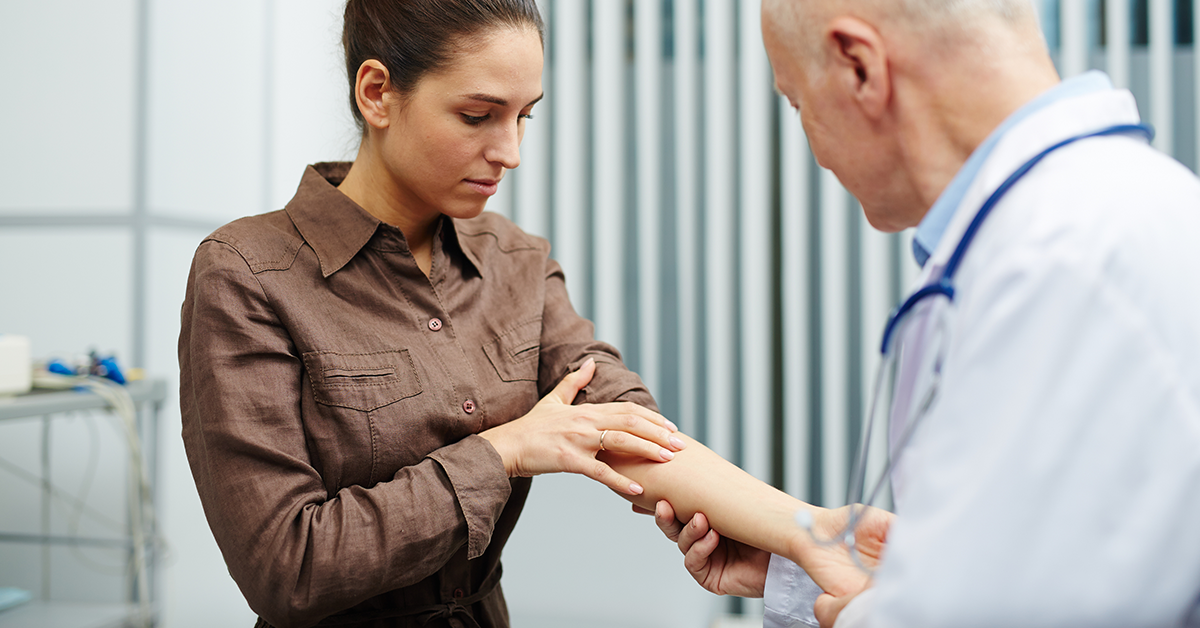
(373,93)
(858,55)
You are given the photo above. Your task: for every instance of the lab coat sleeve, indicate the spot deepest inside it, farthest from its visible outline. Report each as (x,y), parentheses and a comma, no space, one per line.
(1054,482)
(857,613)
(788,596)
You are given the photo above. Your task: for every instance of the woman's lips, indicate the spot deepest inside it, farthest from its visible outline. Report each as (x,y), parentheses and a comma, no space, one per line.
(486,187)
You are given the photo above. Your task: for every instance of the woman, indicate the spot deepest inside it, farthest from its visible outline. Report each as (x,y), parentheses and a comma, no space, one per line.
(361,371)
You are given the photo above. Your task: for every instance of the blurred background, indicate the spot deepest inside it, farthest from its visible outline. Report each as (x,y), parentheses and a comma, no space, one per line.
(677,190)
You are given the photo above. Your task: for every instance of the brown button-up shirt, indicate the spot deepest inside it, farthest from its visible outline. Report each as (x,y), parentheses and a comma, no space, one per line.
(331,397)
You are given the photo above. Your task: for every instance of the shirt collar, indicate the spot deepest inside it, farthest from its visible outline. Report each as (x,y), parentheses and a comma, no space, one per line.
(933,226)
(451,241)
(337,228)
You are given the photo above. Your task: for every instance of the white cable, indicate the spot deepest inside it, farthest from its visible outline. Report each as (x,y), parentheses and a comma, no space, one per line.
(60,494)
(140,511)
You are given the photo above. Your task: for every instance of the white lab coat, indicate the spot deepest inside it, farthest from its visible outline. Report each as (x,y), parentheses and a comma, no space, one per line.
(1056,481)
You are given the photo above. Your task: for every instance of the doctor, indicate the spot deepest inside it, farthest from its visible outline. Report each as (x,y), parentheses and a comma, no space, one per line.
(1054,479)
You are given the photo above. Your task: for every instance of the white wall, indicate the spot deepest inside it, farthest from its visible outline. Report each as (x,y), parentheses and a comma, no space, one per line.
(68,82)
(66,149)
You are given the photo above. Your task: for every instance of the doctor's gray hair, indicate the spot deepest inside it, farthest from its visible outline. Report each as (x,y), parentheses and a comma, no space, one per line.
(936,10)
(932,20)
(925,11)
(968,22)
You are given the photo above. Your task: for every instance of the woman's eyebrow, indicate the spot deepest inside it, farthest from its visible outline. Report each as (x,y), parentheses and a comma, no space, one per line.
(496,100)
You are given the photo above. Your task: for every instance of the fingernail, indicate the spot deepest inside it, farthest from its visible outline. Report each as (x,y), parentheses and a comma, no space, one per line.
(674,428)
(587,362)
(636,488)
(666,454)
(677,443)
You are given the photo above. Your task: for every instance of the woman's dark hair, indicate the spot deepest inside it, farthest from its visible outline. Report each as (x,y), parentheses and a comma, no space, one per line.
(415,37)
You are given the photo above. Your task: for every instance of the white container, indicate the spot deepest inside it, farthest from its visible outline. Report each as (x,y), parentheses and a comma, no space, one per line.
(16,365)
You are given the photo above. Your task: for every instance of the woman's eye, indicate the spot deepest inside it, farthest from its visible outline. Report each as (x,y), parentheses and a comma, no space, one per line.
(526,116)
(474,119)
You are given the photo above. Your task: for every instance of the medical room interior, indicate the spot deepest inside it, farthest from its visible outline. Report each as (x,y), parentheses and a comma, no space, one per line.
(131,129)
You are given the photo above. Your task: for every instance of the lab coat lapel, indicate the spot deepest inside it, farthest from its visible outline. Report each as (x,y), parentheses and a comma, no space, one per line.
(915,357)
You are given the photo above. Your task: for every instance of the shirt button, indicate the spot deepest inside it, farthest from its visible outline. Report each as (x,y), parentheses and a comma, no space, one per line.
(468,406)
(458,593)
(435,324)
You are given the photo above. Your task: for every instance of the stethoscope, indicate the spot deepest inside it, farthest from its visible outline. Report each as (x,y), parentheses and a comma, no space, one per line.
(943,286)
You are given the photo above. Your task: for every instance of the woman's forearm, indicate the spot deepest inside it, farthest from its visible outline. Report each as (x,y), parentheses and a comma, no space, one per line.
(737,505)
(744,509)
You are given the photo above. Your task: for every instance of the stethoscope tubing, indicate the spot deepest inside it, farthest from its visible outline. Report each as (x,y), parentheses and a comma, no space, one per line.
(944,286)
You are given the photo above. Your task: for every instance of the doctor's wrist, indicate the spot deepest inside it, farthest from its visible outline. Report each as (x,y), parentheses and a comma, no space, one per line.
(809,520)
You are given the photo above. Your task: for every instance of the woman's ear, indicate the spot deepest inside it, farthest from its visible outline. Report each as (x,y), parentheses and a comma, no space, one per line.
(858,52)
(371,88)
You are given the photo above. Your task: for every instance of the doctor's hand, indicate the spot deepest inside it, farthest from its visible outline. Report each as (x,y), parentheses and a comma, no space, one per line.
(834,569)
(722,566)
(556,436)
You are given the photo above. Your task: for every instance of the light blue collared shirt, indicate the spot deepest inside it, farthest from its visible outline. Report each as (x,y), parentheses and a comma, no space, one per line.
(933,226)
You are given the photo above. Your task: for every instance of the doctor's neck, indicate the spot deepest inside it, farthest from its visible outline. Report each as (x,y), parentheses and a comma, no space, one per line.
(959,87)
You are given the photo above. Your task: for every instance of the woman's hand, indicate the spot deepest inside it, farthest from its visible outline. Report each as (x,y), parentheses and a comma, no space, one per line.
(556,436)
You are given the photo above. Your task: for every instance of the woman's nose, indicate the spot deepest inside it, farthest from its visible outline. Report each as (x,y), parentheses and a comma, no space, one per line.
(505,149)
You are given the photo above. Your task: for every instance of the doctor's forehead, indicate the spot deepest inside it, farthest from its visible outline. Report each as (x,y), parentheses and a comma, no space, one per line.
(792,17)
(785,64)
(789,32)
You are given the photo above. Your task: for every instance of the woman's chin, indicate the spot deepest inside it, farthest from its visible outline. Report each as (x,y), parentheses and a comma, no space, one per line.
(465,210)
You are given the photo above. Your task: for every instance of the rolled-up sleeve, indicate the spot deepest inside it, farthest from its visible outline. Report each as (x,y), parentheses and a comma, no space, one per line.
(480,483)
(297,552)
(568,340)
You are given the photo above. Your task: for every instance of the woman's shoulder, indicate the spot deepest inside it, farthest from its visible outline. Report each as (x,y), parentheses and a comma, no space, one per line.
(265,241)
(491,230)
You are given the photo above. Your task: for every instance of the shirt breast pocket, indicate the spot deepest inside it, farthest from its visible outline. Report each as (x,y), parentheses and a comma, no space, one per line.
(515,352)
(362,381)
